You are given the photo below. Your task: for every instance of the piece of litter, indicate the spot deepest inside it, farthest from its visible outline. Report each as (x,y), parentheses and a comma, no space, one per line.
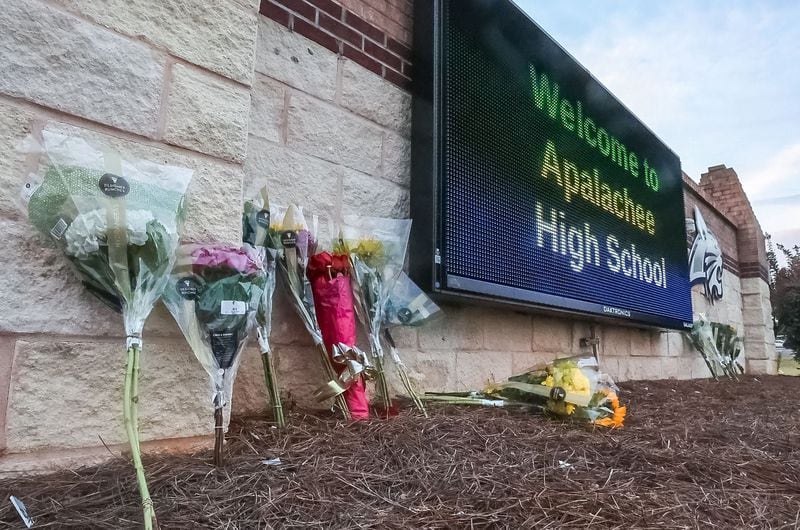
(563,465)
(22,511)
(272,462)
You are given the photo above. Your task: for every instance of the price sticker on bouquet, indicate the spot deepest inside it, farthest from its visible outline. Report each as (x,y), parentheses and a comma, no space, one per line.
(233,307)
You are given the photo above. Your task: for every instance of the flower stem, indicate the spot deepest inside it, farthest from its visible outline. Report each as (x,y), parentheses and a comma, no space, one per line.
(219,437)
(130,402)
(465,400)
(135,396)
(271,379)
(383,387)
(401,369)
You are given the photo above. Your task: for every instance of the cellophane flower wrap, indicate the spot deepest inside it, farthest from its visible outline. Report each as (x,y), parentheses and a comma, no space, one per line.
(729,345)
(377,250)
(294,242)
(329,275)
(117,220)
(255,233)
(213,294)
(407,305)
(718,345)
(571,387)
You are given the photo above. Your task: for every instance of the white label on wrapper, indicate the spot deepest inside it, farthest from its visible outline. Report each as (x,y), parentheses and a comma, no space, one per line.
(28,190)
(587,362)
(233,307)
(59,228)
(418,304)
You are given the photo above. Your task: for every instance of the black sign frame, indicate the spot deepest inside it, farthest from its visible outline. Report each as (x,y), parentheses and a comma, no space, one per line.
(427,246)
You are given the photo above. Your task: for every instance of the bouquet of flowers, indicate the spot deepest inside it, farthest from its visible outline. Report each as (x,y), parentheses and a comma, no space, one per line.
(255,229)
(407,305)
(294,242)
(719,346)
(329,275)
(377,250)
(117,221)
(729,345)
(571,387)
(213,295)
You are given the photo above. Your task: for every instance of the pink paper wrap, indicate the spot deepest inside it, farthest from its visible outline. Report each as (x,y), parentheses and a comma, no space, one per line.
(333,304)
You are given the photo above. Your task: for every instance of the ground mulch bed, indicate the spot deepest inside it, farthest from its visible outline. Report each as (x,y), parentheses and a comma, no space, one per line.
(693,454)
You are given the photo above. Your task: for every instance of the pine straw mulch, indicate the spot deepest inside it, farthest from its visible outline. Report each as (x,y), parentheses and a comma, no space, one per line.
(693,454)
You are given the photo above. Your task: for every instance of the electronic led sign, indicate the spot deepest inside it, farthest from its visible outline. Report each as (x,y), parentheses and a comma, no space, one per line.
(532,184)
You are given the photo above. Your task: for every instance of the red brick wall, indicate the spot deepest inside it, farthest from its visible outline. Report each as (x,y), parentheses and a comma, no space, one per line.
(722,185)
(720,225)
(374,33)
(393,16)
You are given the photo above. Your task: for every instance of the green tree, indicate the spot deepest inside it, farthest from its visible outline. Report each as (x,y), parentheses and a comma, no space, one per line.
(785,292)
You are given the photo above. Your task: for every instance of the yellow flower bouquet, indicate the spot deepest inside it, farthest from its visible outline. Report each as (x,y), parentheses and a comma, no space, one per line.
(572,387)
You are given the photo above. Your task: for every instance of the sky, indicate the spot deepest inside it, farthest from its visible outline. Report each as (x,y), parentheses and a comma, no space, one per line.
(717,81)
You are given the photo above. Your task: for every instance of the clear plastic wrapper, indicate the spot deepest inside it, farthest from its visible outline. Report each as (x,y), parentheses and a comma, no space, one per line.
(718,346)
(255,233)
(377,247)
(377,250)
(571,387)
(729,345)
(294,241)
(214,294)
(408,305)
(117,220)
(264,313)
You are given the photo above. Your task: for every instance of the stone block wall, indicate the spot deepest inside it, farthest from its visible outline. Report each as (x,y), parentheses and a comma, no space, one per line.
(308,96)
(166,80)
(722,185)
(728,310)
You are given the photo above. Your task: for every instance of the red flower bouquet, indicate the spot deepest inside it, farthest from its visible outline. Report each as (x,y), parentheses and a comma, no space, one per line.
(329,275)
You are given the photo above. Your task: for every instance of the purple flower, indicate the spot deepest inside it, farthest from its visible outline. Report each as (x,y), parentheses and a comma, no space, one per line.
(225,257)
(302,244)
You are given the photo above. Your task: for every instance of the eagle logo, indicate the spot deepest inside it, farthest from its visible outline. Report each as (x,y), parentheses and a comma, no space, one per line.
(705,259)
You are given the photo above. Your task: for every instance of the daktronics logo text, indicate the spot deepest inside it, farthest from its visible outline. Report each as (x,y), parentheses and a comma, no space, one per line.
(617,311)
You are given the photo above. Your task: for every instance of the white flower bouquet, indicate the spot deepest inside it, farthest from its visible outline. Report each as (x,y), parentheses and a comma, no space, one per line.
(117,221)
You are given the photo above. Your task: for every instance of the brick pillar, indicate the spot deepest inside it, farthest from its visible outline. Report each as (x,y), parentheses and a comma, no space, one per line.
(722,185)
